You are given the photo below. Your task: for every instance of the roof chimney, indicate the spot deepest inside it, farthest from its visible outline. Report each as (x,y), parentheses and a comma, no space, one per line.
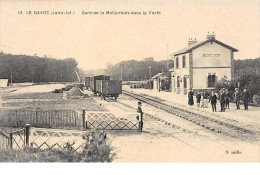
(211,36)
(190,42)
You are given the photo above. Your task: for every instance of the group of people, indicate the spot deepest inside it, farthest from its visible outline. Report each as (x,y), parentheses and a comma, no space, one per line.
(203,99)
(223,96)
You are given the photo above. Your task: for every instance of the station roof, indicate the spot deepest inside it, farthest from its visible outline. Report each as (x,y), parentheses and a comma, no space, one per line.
(157,75)
(171,70)
(198,44)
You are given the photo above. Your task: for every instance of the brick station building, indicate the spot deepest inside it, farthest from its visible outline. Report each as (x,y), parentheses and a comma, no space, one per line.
(200,65)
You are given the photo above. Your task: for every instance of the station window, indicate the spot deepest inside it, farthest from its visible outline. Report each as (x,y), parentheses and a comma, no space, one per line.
(211,80)
(178,81)
(183,61)
(185,82)
(177,62)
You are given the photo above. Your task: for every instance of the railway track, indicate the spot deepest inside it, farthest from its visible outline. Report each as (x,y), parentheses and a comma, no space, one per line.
(208,123)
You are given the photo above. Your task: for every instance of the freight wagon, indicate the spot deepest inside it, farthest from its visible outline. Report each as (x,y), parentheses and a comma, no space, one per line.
(87,82)
(92,81)
(108,88)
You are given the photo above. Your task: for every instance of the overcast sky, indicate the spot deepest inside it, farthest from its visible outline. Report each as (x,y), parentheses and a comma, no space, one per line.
(97,40)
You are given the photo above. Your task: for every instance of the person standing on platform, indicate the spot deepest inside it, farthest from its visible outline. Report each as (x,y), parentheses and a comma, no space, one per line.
(213,100)
(227,99)
(206,97)
(237,97)
(140,117)
(222,98)
(198,97)
(190,97)
(245,98)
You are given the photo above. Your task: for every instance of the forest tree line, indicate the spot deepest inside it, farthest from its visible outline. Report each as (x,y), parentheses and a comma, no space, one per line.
(23,68)
(134,70)
(248,66)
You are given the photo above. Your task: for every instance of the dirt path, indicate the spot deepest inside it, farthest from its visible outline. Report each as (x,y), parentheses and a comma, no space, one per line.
(162,142)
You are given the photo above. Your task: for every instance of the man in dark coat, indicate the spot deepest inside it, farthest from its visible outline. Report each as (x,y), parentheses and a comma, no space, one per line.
(237,97)
(213,100)
(245,98)
(198,97)
(190,97)
(222,100)
(140,117)
(227,99)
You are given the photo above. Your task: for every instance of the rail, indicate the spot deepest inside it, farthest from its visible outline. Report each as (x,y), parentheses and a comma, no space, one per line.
(208,123)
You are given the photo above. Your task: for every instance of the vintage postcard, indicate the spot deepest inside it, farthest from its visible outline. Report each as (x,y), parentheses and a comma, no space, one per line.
(129,81)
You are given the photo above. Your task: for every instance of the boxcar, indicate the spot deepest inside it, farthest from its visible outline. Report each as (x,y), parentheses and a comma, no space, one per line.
(94,79)
(109,88)
(87,82)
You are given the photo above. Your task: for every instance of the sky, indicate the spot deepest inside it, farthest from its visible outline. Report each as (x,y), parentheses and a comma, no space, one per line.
(98,40)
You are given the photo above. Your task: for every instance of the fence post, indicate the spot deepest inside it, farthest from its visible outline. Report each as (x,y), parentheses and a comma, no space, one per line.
(27,134)
(36,115)
(11,140)
(84,118)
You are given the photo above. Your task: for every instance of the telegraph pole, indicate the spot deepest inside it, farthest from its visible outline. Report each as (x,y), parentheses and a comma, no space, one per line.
(150,82)
(1,98)
(167,57)
(121,72)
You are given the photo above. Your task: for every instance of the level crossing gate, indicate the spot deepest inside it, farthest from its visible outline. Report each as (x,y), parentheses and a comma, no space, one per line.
(112,121)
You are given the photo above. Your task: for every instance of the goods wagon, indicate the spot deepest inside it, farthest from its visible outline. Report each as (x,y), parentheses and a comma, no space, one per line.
(139,84)
(109,88)
(93,80)
(87,82)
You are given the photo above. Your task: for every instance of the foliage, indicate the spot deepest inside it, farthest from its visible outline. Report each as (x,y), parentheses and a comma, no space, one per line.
(95,149)
(248,81)
(134,70)
(23,68)
(248,66)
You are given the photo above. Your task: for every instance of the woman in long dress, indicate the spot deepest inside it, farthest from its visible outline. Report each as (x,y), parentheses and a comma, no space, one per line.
(190,97)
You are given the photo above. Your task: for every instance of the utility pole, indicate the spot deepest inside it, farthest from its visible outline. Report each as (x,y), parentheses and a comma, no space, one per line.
(150,82)
(1,98)
(167,57)
(121,72)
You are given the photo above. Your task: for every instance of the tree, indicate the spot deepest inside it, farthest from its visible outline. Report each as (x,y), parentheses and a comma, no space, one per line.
(23,68)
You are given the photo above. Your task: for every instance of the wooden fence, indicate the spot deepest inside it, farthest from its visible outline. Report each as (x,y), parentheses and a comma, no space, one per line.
(42,138)
(19,138)
(111,121)
(4,141)
(65,119)
(56,138)
(69,119)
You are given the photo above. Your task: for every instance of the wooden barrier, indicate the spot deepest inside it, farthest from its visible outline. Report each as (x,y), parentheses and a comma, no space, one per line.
(65,119)
(4,141)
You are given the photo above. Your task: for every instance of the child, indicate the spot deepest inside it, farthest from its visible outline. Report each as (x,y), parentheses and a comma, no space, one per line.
(198,97)
(140,111)
(205,100)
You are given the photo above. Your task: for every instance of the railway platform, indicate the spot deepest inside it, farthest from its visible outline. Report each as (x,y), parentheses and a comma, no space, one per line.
(250,118)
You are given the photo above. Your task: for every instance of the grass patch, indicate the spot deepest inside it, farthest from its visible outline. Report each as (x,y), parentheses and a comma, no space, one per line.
(49,101)
(95,149)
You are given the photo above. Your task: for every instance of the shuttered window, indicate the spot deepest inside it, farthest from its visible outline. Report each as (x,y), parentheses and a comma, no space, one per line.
(183,61)
(178,81)
(211,80)
(177,62)
(185,82)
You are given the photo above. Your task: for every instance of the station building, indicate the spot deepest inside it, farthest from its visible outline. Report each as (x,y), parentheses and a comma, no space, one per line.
(201,64)
(160,82)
